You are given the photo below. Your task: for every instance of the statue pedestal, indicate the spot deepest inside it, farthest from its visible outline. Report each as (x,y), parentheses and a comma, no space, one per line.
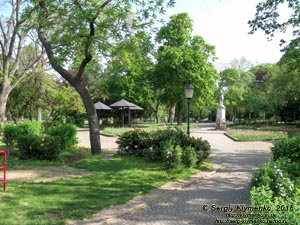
(221,117)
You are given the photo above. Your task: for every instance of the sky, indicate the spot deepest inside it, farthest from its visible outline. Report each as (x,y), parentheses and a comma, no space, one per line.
(224,24)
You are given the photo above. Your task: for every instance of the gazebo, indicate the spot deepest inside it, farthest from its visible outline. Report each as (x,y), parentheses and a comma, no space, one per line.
(101,106)
(123,104)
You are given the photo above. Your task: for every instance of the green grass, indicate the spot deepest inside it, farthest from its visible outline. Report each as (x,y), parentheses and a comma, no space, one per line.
(112,182)
(255,135)
(116,131)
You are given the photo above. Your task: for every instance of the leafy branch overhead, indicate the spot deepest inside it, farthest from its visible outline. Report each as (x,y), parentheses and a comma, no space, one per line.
(268,19)
(73,33)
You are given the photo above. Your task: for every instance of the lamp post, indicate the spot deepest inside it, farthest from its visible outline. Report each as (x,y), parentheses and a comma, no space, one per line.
(189,90)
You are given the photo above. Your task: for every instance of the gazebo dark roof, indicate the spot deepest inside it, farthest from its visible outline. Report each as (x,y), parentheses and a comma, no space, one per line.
(101,106)
(123,103)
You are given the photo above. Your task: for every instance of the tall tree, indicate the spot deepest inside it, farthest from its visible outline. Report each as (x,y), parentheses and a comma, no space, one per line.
(182,57)
(268,19)
(235,83)
(16,60)
(241,63)
(41,90)
(75,30)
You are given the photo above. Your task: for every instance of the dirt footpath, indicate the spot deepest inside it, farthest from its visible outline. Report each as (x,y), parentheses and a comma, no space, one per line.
(50,173)
(44,174)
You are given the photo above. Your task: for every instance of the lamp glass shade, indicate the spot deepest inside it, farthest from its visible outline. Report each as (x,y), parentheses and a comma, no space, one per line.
(189,90)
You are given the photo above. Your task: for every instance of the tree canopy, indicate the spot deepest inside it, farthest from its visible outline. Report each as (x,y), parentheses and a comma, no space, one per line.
(80,30)
(181,57)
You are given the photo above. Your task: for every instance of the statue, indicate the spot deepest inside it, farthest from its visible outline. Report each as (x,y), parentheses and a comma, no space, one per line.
(221,113)
(221,99)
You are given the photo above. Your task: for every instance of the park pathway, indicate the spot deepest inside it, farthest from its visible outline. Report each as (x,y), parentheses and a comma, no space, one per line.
(194,204)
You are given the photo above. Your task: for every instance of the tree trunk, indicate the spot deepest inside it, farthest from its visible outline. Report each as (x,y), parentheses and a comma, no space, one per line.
(92,118)
(156,112)
(172,114)
(3,100)
(39,114)
(180,113)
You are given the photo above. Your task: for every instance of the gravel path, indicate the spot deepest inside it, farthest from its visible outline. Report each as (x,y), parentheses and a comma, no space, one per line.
(194,204)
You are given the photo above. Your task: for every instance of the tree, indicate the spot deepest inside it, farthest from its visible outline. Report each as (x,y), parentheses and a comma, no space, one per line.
(234,82)
(267,17)
(284,89)
(241,63)
(41,90)
(182,57)
(17,59)
(259,99)
(78,30)
(128,72)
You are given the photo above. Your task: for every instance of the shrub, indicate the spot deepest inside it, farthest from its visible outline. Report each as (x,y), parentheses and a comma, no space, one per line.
(289,148)
(189,157)
(134,142)
(75,118)
(9,137)
(29,145)
(293,133)
(64,134)
(289,167)
(272,176)
(171,154)
(159,136)
(153,145)
(201,147)
(29,127)
(287,209)
(50,150)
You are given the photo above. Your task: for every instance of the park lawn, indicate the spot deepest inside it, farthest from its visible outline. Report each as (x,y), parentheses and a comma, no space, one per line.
(256,135)
(112,182)
(116,131)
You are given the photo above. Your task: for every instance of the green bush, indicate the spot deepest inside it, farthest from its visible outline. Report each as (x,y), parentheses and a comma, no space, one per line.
(171,154)
(201,147)
(289,148)
(293,133)
(29,146)
(9,136)
(189,157)
(76,118)
(272,176)
(289,167)
(287,209)
(32,143)
(162,135)
(29,127)
(152,145)
(50,150)
(64,134)
(134,142)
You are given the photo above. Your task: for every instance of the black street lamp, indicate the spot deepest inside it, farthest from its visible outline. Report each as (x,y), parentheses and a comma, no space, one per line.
(189,90)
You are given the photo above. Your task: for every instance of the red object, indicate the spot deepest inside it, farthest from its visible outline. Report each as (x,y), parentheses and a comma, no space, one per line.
(3,166)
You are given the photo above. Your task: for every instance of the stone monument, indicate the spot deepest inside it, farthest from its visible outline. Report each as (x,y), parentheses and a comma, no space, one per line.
(221,114)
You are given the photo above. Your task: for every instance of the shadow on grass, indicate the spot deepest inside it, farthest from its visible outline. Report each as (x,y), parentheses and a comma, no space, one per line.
(113,182)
